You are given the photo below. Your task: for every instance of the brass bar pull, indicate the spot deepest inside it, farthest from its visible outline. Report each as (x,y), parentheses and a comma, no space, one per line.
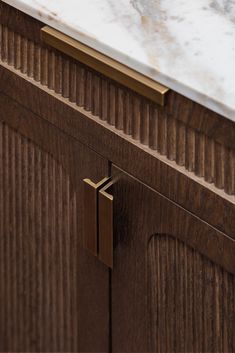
(91,190)
(106,225)
(105,65)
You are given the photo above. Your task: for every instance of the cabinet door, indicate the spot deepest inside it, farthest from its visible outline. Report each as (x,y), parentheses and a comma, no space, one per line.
(173,283)
(53,293)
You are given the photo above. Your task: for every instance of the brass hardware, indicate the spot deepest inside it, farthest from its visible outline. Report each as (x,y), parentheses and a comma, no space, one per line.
(105,65)
(91,214)
(106,224)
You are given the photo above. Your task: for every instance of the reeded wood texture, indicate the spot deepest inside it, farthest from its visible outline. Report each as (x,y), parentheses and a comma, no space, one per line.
(191,300)
(173,278)
(53,295)
(148,166)
(186,133)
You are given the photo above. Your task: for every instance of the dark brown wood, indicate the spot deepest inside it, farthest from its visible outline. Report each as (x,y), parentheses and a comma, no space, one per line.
(202,136)
(90,218)
(54,295)
(175,183)
(18,21)
(173,278)
(194,115)
(173,287)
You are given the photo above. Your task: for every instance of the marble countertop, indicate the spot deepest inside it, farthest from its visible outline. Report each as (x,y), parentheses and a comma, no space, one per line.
(187,45)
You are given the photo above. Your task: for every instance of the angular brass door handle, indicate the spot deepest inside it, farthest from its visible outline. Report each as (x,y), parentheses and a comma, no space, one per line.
(106,225)
(90,225)
(98,219)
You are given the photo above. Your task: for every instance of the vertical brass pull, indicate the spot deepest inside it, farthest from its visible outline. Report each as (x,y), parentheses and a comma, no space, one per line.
(106,225)
(91,190)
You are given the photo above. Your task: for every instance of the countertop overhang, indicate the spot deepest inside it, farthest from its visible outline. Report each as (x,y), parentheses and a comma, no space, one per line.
(185,45)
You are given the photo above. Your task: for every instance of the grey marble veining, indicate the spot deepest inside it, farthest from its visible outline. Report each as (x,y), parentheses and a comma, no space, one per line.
(186,45)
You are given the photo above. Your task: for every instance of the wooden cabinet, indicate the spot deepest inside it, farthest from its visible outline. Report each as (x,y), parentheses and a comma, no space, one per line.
(172,285)
(173,280)
(53,293)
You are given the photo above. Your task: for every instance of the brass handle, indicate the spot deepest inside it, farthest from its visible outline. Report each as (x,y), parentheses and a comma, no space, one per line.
(106,225)
(105,65)
(98,219)
(91,190)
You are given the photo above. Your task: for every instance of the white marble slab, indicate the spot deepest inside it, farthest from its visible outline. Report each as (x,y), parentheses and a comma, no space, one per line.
(187,45)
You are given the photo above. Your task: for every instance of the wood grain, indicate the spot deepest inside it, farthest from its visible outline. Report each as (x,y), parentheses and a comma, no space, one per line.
(173,272)
(186,133)
(192,300)
(189,192)
(53,294)
(118,146)
(173,279)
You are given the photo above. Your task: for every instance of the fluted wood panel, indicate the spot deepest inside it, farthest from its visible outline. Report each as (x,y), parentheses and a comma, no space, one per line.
(192,300)
(39,255)
(151,125)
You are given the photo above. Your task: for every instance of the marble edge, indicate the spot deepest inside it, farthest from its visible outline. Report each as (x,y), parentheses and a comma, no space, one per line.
(87,39)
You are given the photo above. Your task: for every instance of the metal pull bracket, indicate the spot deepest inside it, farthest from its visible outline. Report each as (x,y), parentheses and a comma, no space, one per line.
(106,225)
(105,65)
(98,219)
(91,190)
